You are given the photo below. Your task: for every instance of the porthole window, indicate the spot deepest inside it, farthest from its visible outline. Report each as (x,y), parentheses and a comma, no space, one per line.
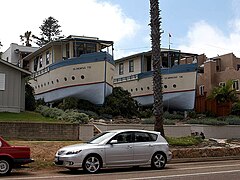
(73,77)
(82,77)
(165,86)
(57,81)
(131,90)
(148,88)
(65,79)
(141,89)
(41,85)
(136,89)
(48,83)
(174,85)
(38,86)
(44,84)
(35,87)
(52,82)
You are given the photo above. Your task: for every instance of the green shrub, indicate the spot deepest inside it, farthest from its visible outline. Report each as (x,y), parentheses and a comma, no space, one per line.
(233,120)
(74,116)
(167,115)
(236,108)
(69,103)
(147,113)
(184,141)
(169,122)
(208,121)
(148,120)
(91,114)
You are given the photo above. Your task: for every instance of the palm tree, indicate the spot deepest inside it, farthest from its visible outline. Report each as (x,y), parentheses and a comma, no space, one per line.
(223,94)
(156,59)
(26,38)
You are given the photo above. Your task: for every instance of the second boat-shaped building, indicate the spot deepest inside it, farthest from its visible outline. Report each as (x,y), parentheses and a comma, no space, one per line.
(134,73)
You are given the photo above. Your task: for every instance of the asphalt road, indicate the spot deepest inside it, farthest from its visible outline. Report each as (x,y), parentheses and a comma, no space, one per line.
(214,170)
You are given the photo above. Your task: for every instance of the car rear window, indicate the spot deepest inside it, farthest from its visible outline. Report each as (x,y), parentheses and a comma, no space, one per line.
(144,137)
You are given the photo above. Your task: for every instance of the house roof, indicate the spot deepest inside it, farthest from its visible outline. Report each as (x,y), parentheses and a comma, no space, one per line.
(15,67)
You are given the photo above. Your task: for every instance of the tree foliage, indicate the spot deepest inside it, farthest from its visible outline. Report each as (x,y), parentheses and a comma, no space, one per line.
(26,38)
(30,103)
(120,103)
(225,93)
(49,31)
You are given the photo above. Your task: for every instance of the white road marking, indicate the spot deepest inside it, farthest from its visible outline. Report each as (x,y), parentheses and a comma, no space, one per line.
(114,173)
(182,175)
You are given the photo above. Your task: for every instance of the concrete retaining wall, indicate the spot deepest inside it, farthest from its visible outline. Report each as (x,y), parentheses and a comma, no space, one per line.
(39,131)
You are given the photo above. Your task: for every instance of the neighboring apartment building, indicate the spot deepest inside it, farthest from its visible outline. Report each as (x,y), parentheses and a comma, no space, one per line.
(15,53)
(217,71)
(12,87)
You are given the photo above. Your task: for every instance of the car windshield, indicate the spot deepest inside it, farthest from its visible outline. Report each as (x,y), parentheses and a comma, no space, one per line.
(101,137)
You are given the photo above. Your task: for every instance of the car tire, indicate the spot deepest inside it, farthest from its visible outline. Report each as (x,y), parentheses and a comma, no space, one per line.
(5,167)
(92,164)
(158,161)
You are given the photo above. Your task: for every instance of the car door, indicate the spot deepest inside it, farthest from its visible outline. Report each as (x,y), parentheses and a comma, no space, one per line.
(143,147)
(121,152)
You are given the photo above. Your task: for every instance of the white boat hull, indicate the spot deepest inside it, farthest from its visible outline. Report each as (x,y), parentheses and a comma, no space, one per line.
(95,93)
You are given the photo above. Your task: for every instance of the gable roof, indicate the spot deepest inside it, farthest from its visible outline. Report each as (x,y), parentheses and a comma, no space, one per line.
(15,67)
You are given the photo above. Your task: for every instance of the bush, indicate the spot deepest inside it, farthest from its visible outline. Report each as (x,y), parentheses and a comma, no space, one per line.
(91,114)
(74,116)
(167,115)
(49,112)
(147,113)
(148,121)
(236,108)
(208,121)
(233,120)
(184,141)
(68,103)
(30,103)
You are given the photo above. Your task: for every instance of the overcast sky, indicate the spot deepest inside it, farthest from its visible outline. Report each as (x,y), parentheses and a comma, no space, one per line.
(197,26)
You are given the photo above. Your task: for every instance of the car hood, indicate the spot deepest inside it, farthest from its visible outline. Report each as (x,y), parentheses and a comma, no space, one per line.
(78,147)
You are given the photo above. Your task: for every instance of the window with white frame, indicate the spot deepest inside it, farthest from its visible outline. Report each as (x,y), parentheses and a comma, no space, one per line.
(222,84)
(131,66)
(47,57)
(40,61)
(235,85)
(2,82)
(120,68)
(201,90)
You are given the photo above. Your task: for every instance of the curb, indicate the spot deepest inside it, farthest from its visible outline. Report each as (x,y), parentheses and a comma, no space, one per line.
(203,159)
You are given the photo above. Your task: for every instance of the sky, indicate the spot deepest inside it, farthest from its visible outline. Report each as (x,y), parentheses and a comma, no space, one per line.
(211,27)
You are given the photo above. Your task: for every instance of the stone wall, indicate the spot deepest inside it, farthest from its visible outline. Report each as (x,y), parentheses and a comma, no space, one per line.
(39,131)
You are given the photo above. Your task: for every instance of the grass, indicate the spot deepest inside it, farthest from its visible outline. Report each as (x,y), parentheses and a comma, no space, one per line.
(27,116)
(184,141)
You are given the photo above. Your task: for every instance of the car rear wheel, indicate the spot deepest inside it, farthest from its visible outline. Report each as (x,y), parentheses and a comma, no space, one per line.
(92,164)
(159,161)
(5,167)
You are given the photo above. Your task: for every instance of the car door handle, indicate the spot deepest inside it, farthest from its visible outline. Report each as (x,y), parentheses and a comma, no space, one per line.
(129,146)
(150,145)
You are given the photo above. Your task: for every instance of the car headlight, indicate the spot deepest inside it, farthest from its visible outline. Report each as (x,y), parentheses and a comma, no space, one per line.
(73,152)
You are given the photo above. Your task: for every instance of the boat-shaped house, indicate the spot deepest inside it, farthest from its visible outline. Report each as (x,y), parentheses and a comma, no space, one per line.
(76,66)
(179,76)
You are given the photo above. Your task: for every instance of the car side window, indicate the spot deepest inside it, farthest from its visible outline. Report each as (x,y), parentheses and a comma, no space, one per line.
(123,137)
(142,137)
(0,143)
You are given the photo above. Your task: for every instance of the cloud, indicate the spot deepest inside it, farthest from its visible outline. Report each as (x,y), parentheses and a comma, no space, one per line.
(208,39)
(76,17)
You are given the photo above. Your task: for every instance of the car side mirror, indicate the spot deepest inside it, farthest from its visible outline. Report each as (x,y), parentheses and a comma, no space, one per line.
(114,141)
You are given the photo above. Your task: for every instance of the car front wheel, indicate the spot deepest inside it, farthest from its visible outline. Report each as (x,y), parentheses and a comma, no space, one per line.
(158,161)
(5,167)
(92,164)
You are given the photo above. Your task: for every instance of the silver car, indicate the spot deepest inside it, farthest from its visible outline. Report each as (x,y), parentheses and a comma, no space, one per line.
(116,148)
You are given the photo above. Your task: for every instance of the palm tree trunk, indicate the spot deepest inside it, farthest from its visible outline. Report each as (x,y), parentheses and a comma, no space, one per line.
(156,60)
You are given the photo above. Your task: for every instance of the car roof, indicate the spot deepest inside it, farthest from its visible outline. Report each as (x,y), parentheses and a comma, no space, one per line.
(134,130)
